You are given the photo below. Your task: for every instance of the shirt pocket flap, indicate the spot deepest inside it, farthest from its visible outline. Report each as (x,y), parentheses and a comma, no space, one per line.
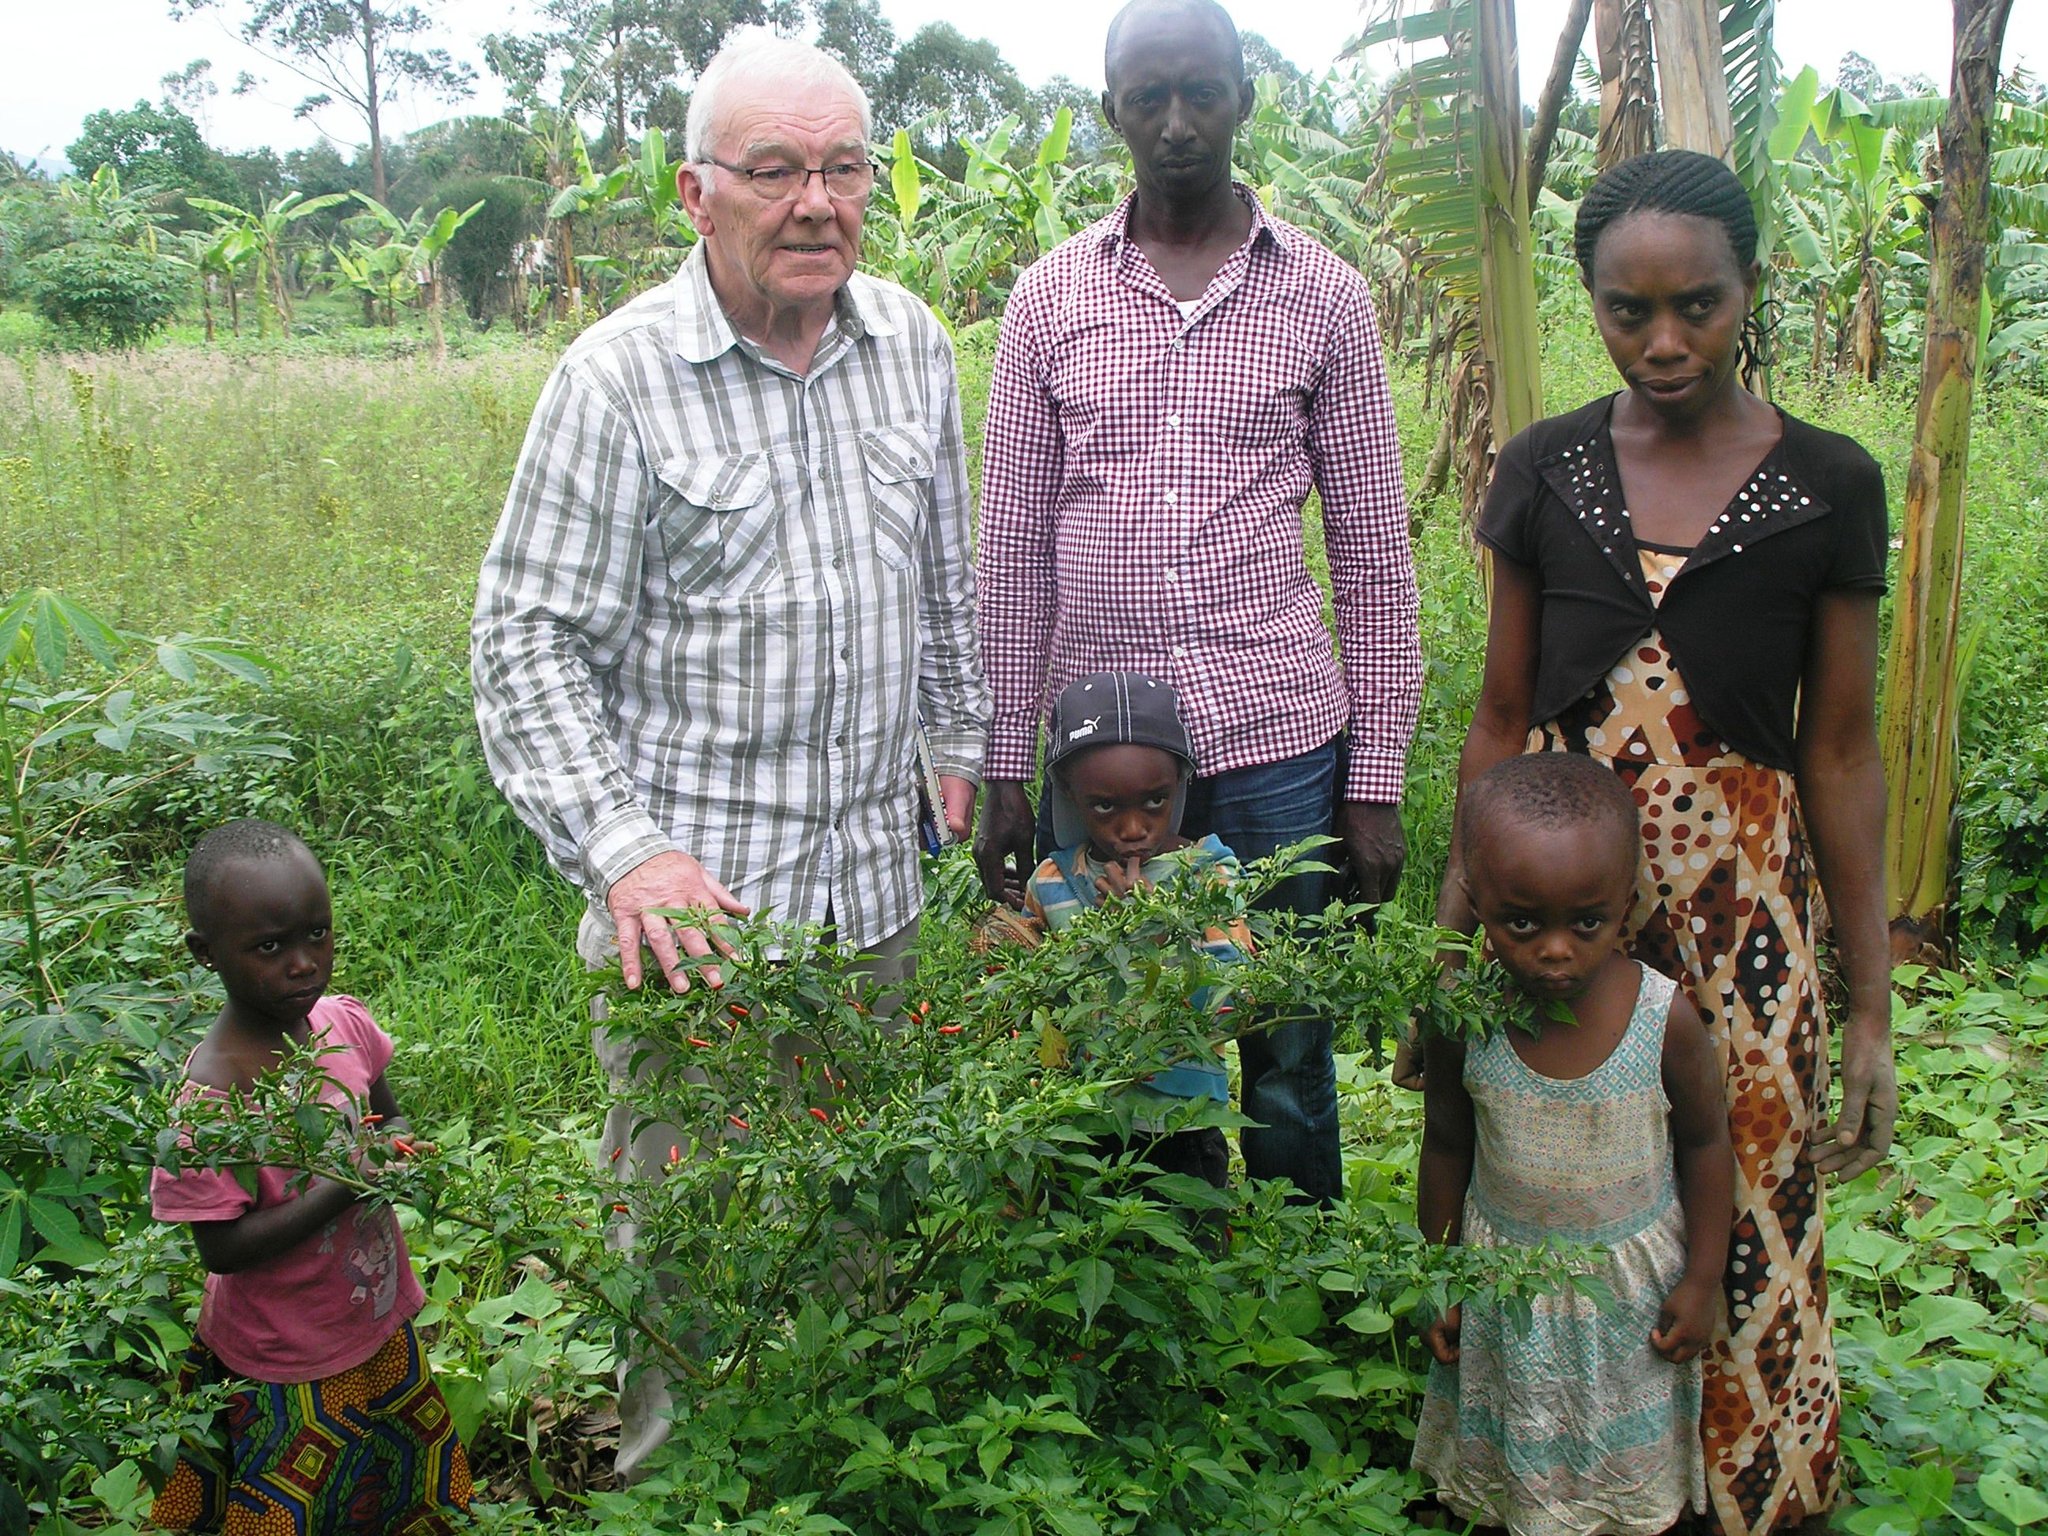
(717,482)
(895,455)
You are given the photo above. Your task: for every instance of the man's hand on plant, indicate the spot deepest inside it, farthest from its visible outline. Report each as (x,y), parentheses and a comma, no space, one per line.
(670,880)
(1004,841)
(1374,848)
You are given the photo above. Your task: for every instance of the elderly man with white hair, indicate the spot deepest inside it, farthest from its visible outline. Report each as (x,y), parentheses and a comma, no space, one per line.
(734,570)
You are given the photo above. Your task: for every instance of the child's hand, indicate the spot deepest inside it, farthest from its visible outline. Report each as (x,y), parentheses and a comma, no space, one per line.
(1685,1323)
(1122,879)
(1441,1335)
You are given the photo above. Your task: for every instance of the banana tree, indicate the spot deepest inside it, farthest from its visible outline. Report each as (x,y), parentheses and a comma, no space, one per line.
(1451,167)
(408,260)
(261,234)
(1922,690)
(1854,212)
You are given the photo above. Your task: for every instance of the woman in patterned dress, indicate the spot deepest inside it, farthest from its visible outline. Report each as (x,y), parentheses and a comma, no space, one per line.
(1685,586)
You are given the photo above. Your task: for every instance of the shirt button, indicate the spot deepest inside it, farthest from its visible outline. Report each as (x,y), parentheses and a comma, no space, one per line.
(838,562)
(1175,343)
(1172,574)
(1179,652)
(840,739)
(846,653)
(1173,498)
(1173,420)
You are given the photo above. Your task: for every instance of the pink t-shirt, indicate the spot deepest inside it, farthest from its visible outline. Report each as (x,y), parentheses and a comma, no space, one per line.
(331,1302)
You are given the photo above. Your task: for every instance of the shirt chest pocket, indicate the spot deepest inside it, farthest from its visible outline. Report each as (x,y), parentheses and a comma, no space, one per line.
(716,523)
(896,465)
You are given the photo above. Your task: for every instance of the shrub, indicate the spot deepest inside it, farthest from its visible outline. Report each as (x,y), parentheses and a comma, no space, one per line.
(111,295)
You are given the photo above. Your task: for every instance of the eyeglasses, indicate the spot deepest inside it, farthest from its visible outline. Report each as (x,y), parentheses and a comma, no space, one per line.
(782,183)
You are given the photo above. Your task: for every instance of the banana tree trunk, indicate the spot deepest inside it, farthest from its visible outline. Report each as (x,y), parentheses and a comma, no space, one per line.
(1507,263)
(1550,105)
(1692,80)
(1921,688)
(1628,98)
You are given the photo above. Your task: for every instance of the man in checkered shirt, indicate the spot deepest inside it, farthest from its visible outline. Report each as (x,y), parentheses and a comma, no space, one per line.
(1169,386)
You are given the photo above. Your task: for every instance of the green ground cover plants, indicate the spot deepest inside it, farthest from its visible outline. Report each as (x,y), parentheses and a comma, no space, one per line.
(956,1282)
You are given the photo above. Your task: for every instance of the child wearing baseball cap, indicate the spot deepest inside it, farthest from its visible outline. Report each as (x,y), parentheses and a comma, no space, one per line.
(1118,761)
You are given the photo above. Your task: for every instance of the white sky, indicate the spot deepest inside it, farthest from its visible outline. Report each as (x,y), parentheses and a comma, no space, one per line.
(60,61)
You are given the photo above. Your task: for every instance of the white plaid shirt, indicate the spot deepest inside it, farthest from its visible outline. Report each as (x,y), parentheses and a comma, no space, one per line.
(1142,487)
(719,596)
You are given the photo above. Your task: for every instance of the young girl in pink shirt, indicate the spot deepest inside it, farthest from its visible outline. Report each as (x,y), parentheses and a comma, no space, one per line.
(334,1424)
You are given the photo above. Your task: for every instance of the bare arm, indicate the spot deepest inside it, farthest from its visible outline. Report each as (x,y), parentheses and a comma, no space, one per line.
(1500,719)
(1696,1087)
(1499,729)
(1841,795)
(1023,455)
(257,1237)
(1444,1172)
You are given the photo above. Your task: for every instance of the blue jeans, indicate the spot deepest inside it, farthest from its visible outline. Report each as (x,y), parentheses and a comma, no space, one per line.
(1288,1075)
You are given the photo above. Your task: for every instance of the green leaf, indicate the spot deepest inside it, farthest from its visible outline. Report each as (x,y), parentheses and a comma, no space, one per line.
(1093,1281)
(468,1402)
(11,1221)
(2006,1495)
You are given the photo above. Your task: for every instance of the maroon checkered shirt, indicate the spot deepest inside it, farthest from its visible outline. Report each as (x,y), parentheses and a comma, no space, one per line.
(1142,484)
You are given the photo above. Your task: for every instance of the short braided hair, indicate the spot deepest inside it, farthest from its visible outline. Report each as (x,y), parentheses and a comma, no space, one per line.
(250,840)
(1667,181)
(1551,790)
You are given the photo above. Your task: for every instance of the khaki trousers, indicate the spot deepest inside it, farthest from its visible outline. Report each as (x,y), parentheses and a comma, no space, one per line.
(643,1384)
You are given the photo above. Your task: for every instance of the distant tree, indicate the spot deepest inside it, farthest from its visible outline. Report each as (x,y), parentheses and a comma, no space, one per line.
(1089,139)
(1863,80)
(481,255)
(944,85)
(154,146)
(318,170)
(457,146)
(258,175)
(620,52)
(1262,58)
(857,34)
(356,52)
(109,295)
(191,89)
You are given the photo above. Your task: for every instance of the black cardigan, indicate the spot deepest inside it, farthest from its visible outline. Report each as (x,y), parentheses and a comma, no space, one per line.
(1737,615)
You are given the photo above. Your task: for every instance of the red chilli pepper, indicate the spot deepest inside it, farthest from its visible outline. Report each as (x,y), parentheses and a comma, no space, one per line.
(737,1123)
(675,1153)
(820,1116)
(617,1153)
(371,1119)
(403,1146)
(702,1045)
(924,1009)
(737,1010)
(620,1207)
(951,1029)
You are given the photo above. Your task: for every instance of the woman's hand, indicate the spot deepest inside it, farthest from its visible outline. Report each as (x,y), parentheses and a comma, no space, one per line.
(1406,1071)
(1685,1323)
(1441,1335)
(1859,1137)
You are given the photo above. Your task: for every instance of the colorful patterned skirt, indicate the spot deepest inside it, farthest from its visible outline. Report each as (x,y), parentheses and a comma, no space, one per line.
(1728,903)
(371,1450)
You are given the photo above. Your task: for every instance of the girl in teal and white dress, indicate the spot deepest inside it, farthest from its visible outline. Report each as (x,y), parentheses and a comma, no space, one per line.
(1599,1122)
